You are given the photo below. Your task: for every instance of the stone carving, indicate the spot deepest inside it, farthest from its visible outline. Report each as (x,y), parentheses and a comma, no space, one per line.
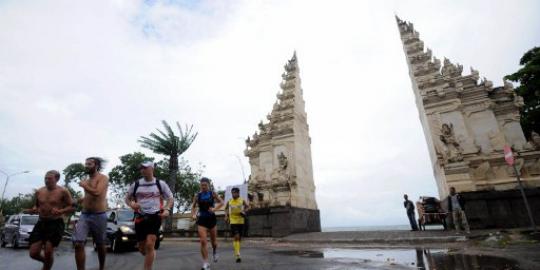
(488,85)
(481,115)
(481,172)
(287,76)
(508,86)
(535,140)
(282,178)
(451,70)
(452,149)
(533,167)
(474,73)
(283,162)
(518,101)
(262,127)
(497,139)
(291,65)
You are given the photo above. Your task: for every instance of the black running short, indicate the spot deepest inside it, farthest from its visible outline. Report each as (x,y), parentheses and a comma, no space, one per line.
(48,230)
(237,229)
(147,224)
(208,221)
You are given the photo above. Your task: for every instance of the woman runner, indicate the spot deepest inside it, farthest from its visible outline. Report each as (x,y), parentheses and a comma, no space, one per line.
(205,201)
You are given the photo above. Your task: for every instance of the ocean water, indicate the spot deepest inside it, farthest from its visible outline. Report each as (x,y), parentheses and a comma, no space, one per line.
(367,228)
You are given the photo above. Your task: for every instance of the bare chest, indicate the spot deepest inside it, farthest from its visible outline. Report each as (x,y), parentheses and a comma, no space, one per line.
(50,198)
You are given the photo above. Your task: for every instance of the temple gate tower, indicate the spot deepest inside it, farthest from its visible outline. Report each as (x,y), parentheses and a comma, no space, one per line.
(279,153)
(467,121)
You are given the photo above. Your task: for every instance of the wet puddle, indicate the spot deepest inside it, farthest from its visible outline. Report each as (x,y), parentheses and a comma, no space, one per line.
(427,259)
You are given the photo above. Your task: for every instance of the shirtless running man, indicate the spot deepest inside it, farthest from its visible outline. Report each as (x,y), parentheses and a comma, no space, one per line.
(52,202)
(93,217)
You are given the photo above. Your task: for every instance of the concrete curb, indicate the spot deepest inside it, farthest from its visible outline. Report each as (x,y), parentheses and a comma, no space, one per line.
(402,240)
(416,240)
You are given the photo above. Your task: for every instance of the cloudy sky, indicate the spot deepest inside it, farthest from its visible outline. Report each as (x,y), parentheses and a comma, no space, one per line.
(82,78)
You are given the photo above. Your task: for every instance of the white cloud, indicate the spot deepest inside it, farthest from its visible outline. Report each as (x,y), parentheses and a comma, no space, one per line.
(80,79)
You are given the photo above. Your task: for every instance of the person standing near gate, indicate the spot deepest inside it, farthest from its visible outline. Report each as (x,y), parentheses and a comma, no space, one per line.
(408,204)
(456,206)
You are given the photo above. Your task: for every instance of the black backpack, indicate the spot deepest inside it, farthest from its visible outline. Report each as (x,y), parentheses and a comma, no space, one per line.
(158,184)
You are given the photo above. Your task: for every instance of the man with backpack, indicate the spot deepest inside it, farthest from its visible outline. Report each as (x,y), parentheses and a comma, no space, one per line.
(145,197)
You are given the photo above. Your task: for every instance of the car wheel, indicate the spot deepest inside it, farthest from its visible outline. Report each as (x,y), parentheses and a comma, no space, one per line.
(3,241)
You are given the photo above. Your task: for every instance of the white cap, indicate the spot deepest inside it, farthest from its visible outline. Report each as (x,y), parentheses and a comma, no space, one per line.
(147,164)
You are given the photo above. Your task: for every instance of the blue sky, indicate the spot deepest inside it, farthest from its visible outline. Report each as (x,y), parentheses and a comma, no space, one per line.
(88,78)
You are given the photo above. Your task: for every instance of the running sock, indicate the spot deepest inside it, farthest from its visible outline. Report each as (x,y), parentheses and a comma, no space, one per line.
(236,246)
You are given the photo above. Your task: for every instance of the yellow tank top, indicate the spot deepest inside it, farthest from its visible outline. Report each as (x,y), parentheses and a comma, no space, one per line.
(236,206)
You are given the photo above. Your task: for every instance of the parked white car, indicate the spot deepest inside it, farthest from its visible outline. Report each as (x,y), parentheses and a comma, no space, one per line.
(17,230)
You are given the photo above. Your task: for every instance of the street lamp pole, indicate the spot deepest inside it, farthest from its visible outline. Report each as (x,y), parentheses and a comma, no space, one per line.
(5,186)
(241,167)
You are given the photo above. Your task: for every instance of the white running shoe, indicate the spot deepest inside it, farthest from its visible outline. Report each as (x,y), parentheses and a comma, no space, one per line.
(206,266)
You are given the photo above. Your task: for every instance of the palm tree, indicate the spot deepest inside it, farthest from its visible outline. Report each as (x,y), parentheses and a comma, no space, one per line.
(168,144)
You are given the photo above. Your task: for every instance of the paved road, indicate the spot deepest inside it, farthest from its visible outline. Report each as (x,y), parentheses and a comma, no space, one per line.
(185,255)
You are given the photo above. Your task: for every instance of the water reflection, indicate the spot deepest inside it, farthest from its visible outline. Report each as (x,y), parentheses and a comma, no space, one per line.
(445,261)
(426,259)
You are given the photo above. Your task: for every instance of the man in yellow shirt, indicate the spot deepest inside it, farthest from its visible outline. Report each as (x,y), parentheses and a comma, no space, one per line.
(235,211)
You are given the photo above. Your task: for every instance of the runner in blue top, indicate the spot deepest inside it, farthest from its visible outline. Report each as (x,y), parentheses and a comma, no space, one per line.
(205,201)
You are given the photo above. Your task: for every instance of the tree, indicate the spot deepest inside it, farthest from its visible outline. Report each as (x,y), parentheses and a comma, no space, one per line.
(528,77)
(74,172)
(16,204)
(123,175)
(168,144)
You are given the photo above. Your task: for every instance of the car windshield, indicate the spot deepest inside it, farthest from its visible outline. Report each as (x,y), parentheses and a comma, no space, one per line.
(125,215)
(29,220)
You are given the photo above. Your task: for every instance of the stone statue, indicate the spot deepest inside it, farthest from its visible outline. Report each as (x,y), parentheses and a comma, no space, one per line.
(283,162)
(452,151)
(262,128)
(508,86)
(450,69)
(535,140)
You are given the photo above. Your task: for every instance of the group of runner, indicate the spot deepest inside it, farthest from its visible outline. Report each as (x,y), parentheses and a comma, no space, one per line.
(150,199)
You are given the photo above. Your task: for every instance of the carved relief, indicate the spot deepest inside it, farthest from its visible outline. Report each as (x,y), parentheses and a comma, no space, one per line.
(452,149)
(451,70)
(497,139)
(273,176)
(508,86)
(482,171)
(535,140)
(533,167)
(283,162)
(468,122)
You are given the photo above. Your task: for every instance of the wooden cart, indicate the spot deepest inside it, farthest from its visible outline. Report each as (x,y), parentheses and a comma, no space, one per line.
(430,212)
